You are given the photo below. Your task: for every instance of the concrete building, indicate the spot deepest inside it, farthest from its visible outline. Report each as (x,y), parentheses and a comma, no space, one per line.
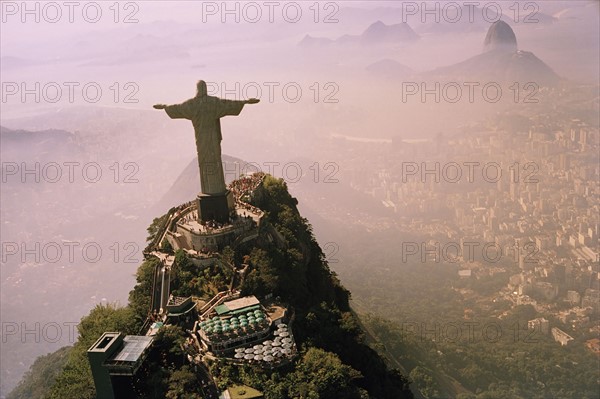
(591,298)
(574,297)
(115,358)
(540,324)
(546,290)
(560,336)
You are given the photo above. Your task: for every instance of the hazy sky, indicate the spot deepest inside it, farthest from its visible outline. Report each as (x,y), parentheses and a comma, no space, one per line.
(141,53)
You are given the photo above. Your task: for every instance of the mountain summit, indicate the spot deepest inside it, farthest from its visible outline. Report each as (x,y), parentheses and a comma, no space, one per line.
(500,61)
(500,36)
(267,292)
(378,32)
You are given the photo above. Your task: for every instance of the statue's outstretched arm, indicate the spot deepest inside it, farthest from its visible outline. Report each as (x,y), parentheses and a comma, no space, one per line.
(233,107)
(177,111)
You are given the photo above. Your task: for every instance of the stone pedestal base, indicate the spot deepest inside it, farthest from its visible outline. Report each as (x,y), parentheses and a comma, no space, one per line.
(215,207)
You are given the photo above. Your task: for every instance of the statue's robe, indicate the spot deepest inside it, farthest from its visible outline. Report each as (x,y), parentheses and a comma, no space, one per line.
(205,112)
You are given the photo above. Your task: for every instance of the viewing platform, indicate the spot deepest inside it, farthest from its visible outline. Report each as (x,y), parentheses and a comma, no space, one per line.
(186,230)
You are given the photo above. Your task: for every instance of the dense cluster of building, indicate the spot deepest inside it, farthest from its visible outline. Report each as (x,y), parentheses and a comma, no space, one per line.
(526,201)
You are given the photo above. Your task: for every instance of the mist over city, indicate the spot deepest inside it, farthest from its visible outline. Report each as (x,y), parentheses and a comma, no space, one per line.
(412,199)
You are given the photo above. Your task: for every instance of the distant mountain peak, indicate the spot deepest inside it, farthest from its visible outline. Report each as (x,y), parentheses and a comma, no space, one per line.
(377,33)
(380,32)
(502,61)
(500,36)
(310,41)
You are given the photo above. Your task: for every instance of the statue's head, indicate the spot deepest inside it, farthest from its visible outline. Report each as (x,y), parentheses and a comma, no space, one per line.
(201,89)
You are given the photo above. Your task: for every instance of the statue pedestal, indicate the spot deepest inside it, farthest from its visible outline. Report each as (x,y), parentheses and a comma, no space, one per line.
(215,207)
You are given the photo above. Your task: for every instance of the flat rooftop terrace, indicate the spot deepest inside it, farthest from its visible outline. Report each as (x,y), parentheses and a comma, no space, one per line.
(133,348)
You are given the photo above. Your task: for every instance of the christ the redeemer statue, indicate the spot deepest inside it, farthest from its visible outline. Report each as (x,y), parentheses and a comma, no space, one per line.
(205,112)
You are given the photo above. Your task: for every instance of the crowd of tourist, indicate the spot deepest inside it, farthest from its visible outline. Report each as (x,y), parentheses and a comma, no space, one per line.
(243,186)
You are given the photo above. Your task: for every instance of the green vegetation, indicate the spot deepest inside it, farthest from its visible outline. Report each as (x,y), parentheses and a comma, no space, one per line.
(182,384)
(75,379)
(140,297)
(188,279)
(530,362)
(155,226)
(318,374)
(165,373)
(422,377)
(42,375)
(298,273)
